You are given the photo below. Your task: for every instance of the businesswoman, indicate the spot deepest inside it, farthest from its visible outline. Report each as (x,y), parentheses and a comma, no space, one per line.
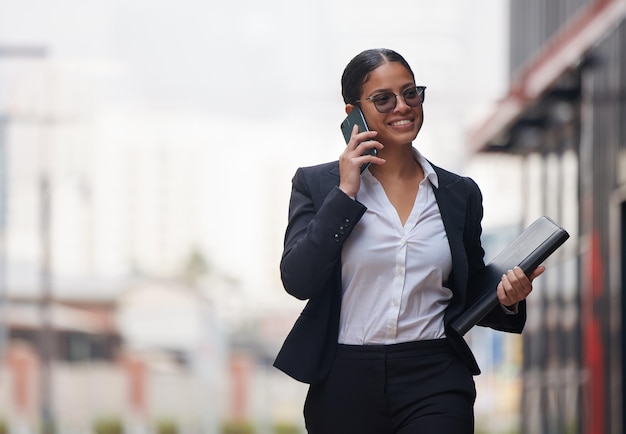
(386,260)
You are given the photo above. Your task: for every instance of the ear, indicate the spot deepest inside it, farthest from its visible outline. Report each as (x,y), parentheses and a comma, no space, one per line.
(349,108)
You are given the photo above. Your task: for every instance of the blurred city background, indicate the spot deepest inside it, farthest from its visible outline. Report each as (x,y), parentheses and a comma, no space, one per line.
(146,156)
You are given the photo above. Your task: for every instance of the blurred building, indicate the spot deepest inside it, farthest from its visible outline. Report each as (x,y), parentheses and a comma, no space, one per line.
(105,280)
(564,116)
(86,212)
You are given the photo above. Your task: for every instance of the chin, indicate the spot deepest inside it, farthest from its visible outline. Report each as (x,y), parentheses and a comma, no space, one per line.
(413,135)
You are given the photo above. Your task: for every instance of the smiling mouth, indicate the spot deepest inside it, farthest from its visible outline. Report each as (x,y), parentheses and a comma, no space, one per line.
(402,122)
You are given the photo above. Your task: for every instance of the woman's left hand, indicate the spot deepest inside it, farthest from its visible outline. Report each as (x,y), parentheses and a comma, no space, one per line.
(515,285)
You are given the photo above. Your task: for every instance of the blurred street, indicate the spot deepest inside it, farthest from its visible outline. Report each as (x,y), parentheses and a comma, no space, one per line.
(146,156)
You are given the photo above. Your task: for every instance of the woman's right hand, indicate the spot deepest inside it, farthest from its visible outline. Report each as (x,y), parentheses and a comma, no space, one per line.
(352,159)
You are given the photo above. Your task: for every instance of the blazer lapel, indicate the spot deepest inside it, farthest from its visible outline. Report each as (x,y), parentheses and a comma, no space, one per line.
(451,199)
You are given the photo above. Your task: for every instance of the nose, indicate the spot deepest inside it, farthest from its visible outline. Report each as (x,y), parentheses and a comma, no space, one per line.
(401,105)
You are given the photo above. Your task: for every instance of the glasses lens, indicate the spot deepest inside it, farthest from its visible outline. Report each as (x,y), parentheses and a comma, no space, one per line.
(414,96)
(384,102)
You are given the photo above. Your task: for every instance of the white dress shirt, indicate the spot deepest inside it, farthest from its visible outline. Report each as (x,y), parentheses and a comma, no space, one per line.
(393,276)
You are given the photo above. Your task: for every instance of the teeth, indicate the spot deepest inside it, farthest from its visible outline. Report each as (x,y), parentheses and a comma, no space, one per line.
(403,122)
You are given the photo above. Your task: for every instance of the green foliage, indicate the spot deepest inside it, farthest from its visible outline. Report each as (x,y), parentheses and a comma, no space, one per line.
(286,428)
(167,426)
(195,267)
(237,427)
(109,425)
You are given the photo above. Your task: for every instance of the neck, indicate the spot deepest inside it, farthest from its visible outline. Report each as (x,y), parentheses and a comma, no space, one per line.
(400,162)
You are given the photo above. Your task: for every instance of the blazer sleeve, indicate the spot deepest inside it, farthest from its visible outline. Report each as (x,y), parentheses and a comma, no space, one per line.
(315,234)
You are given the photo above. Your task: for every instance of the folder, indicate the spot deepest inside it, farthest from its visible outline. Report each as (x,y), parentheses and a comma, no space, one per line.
(529,250)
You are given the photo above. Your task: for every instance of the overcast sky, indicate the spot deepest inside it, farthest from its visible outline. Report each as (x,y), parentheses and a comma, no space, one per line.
(257,59)
(257,83)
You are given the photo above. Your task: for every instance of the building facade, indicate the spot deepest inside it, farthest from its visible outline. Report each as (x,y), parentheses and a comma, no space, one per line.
(565,116)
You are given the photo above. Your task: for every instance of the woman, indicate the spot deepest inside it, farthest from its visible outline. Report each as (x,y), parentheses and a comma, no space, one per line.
(386,259)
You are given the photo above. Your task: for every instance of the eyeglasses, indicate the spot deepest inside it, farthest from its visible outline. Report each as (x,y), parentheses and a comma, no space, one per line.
(385,102)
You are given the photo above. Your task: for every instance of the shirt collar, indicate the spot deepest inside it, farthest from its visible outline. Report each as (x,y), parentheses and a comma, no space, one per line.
(429,172)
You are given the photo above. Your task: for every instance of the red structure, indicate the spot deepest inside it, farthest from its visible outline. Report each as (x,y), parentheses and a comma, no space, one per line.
(22,364)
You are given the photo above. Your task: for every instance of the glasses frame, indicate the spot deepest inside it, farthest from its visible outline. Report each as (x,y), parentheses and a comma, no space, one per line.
(421,90)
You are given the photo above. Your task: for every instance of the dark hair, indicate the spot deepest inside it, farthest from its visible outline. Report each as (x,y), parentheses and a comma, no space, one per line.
(358,70)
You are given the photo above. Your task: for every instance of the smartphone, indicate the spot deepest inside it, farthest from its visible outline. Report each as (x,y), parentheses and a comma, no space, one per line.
(356,118)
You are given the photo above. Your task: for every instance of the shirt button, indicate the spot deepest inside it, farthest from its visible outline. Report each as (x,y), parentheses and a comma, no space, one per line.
(402,241)
(395,303)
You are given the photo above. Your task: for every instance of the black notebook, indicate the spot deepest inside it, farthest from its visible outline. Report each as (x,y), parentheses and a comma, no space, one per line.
(528,250)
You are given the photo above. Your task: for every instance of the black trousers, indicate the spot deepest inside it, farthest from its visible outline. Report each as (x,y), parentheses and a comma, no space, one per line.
(408,388)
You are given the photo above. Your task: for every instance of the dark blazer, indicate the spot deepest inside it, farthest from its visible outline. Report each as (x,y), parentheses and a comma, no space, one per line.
(321,217)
